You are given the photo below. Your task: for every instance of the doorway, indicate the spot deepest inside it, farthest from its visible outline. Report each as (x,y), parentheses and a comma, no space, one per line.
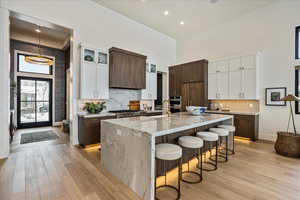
(34,102)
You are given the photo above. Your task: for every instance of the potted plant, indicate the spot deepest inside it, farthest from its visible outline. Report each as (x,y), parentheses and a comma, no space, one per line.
(94,108)
(288,143)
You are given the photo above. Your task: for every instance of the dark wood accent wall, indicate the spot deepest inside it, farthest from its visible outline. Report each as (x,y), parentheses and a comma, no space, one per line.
(190,81)
(60,74)
(126,69)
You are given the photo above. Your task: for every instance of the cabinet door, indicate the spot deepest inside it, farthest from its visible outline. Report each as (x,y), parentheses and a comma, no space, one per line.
(192,72)
(212,86)
(235,64)
(249,84)
(196,94)
(178,80)
(222,85)
(212,68)
(222,66)
(89,81)
(172,82)
(249,62)
(245,126)
(102,81)
(235,84)
(185,96)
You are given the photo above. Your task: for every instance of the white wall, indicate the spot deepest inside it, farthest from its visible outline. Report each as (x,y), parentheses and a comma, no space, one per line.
(95,25)
(269,30)
(4,83)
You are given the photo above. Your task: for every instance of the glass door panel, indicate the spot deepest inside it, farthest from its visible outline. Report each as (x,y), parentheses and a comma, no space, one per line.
(27,112)
(42,111)
(34,102)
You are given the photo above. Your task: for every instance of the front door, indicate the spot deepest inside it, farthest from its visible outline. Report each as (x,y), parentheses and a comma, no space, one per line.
(34,102)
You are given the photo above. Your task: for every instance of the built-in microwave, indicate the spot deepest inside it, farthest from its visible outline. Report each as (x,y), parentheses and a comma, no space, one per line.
(175,104)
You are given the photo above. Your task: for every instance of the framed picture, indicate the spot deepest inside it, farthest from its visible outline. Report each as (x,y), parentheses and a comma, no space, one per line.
(273,96)
(152,68)
(102,58)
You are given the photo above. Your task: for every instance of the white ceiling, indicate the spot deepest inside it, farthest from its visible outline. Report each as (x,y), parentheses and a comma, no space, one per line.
(198,15)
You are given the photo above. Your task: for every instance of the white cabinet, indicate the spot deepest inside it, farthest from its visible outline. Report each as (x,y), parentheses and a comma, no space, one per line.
(150,93)
(222,85)
(94,73)
(249,84)
(240,81)
(218,86)
(212,86)
(235,84)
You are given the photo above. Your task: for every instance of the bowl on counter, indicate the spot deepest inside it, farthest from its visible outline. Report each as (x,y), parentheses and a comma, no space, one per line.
(196,110)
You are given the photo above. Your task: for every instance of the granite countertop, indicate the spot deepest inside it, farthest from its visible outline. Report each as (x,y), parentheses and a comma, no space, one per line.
(102,114)
(152,111)
(163,125)
(233,112)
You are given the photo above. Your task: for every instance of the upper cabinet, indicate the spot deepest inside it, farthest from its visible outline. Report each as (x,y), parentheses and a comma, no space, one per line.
(150,92)
(192,72)
(239,81)
(94,73)
(189,80)
(175,80)
(126,69)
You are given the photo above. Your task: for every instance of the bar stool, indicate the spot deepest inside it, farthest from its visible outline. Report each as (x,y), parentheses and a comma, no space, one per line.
(231,129)
(222,133)
(169,152)
(208,138)
(192,143)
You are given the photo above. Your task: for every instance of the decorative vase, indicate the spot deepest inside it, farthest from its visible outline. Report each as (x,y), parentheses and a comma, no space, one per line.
(288,144)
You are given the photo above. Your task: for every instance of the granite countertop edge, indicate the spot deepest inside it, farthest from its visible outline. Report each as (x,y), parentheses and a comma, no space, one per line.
(233,112)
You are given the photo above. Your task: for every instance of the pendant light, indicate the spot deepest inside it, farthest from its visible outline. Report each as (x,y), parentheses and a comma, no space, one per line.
(39,59)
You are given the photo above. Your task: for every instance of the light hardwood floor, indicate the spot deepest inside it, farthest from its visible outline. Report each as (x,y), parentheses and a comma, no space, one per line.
(56,170)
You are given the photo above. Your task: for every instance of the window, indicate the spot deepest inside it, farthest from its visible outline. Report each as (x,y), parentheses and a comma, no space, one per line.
(297,86)
(297,42)
(26,67)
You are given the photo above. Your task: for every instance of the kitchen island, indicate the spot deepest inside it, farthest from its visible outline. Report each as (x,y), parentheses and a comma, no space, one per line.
(128,145)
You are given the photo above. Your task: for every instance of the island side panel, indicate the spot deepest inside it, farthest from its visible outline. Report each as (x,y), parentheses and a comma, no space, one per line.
(129,155)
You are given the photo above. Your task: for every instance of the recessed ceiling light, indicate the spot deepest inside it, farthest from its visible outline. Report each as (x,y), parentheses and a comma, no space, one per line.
(182,23)
(37,30)
(166,13)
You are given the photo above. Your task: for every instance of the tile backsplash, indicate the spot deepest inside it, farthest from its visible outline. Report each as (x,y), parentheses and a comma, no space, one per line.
(118,99)
(237,105)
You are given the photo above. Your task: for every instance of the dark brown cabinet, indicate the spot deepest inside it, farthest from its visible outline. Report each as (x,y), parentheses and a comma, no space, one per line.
(89,129)
(189,81)
(175,80)
(126,69)
(246,126)
(194,71)
(192,94)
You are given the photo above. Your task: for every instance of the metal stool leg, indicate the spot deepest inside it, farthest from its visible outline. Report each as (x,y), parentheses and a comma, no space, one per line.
(215,161)
(178,189)
(193,172)
(223,155)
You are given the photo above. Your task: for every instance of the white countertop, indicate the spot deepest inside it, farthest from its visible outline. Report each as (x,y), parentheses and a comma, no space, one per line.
(163,125)
(233,112)
(102,114)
